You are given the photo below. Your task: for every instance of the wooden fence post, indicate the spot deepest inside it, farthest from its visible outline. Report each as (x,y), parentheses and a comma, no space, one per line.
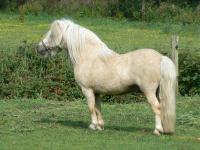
(143,10)
(174,56)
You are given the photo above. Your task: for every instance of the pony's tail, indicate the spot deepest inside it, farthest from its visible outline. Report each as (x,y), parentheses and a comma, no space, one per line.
(167,95)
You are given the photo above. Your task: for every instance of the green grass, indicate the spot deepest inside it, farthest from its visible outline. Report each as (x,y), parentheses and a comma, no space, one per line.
(40,124)
(43,124)
(120,35)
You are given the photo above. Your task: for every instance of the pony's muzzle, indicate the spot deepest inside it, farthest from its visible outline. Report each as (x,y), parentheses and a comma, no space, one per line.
(40,49)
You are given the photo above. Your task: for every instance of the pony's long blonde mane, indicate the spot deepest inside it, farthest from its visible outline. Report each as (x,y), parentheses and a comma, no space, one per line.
(77,37)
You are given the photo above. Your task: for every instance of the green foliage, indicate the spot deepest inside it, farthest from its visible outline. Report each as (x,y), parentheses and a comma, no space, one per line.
(34,8)
(4,3)
(25,74)
(189,75)
(166,11)
(44,125)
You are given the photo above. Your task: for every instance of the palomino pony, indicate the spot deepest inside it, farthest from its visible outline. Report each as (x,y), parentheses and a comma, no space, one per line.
(99,70)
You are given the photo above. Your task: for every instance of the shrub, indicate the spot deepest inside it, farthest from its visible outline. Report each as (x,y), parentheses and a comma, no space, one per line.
(182,11)
(189,73)
(3,3)
(34,8)
(24,74)
(197,14)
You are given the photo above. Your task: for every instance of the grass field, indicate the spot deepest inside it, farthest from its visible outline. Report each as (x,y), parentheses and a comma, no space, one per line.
(121,36)
(42,124)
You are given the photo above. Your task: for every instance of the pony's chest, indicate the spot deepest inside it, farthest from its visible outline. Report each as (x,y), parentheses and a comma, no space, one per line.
(82,74)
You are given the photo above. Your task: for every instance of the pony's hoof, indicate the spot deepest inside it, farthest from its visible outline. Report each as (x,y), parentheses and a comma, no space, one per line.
(100,128)
(161,130)
(93,126)
(156,132)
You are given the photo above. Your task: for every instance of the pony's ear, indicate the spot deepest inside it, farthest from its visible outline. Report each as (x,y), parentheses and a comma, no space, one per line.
(56,31)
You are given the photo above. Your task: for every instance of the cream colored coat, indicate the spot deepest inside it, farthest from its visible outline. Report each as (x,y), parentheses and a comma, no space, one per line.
(99,70)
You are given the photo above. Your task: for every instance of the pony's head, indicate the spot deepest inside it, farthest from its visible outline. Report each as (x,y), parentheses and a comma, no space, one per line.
(74,38)
(53,39)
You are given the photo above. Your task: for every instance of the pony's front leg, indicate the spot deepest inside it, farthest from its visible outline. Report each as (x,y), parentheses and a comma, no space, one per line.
(90,96)
(98,112)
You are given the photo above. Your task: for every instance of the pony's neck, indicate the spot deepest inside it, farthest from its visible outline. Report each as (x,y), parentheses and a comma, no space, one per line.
(82,42)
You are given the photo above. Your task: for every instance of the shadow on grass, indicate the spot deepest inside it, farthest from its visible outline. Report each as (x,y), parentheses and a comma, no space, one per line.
(84,125)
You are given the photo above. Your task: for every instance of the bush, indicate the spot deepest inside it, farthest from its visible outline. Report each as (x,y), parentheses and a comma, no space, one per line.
(24,74)
(197,14)
(170,11)
(167,11)
(189,73)
(34,8)
(182,11)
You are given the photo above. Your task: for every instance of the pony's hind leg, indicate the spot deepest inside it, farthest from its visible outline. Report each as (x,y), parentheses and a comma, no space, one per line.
(152,99)
(98,112)
(90,96)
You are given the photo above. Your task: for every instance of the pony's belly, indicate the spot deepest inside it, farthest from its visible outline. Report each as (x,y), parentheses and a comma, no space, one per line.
(117,90)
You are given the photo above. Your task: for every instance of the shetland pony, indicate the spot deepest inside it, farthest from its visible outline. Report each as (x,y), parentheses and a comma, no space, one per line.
(99,70)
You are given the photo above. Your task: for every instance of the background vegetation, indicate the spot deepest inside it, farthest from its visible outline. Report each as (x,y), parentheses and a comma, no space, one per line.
(186,11)
(24,74)
(41,107)
(39,124)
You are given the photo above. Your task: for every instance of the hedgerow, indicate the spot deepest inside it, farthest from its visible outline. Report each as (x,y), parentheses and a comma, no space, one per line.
(24,74)
(189,73)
